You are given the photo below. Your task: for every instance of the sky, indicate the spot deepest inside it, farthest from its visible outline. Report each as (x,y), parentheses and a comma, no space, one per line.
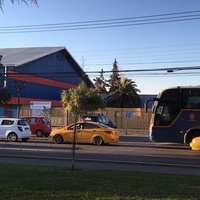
(146,37)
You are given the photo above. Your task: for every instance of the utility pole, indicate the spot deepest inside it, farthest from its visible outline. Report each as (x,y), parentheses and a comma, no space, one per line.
(19,86)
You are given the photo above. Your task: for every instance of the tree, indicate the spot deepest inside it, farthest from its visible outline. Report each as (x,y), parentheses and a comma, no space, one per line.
(79,101)
(125,96)
(5,96)
(100,83)
(18,1)
(114,78)
(1,66)
(46,112)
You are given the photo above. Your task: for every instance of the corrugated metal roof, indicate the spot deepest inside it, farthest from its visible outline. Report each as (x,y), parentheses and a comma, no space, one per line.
(18,56)
(14,57)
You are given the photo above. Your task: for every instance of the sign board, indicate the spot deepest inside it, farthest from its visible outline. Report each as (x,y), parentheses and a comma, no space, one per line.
(38,106)
(128,115)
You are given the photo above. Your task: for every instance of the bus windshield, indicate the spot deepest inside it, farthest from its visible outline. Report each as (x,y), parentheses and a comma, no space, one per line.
(168,107)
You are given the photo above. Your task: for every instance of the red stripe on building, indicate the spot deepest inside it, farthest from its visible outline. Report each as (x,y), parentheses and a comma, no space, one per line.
(26,101)
(38,80)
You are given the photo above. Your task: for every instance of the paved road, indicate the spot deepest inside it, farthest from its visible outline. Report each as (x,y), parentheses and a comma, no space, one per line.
(134,152)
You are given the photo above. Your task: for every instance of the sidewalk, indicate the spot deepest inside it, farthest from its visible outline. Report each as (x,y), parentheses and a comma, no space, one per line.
(133,132)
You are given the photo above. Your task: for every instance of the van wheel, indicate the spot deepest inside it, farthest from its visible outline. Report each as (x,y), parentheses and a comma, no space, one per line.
(46,135)
(97,140)
(39,133)
(12,137)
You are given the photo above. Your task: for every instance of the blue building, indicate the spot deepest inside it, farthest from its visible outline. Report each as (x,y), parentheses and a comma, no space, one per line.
(38,74)
(145,97)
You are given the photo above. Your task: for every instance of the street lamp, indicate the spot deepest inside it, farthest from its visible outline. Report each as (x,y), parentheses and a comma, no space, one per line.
(19,86)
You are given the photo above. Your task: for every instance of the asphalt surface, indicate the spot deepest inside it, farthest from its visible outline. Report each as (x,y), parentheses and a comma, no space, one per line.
(90,162)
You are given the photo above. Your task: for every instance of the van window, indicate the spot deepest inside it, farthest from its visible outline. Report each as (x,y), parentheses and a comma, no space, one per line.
(45,120)
(33,120)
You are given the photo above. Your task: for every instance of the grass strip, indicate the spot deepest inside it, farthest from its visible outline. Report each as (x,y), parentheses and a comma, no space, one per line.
(22,182)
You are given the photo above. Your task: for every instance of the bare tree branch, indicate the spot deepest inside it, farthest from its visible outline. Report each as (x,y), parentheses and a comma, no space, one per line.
(19,1)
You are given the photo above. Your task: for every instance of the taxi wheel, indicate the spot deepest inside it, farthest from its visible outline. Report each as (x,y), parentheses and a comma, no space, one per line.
(58,139)
(97,140)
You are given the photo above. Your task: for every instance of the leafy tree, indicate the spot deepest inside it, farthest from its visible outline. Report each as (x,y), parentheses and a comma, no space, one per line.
(46,112)
(125,96)
(100,83)
(114,78)
(5,96)
(1,65)
(79,101)
(123,92)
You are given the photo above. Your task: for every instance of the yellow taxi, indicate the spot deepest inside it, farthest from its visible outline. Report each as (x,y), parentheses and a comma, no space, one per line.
(86,132)
(195,144)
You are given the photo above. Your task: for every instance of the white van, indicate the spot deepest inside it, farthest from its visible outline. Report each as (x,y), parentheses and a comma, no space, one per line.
(14,129)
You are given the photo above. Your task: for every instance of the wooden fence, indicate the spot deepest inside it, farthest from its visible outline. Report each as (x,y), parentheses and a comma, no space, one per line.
(125,118)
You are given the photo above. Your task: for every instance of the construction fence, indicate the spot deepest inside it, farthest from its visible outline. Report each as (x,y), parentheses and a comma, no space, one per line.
(125,118)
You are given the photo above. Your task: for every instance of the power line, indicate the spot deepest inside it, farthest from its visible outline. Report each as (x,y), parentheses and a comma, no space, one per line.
(168,70)
(109,23)
(138,53)
(142,48)
(147,63)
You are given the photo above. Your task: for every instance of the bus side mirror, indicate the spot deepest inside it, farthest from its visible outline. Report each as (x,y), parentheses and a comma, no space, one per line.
(147,101)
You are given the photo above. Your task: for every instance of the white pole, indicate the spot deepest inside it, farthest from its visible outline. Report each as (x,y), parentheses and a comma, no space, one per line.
(5,76)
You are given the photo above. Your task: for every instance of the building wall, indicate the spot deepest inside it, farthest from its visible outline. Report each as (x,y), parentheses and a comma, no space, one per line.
(55,67)
(44,77)
(1,112)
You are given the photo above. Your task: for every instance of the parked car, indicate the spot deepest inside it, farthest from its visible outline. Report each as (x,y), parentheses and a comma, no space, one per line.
(14,129)
(39,125)
(99,118)
(86,132)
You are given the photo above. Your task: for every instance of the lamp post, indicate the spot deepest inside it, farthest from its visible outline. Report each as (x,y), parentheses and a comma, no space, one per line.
(19,86)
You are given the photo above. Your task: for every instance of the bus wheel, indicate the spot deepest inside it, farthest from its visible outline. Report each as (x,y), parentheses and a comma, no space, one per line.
(192,136)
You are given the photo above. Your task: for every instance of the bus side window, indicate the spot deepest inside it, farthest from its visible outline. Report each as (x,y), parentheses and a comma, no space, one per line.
(193,102)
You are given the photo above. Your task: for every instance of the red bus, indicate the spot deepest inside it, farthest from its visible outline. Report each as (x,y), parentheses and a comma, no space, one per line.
(175,115)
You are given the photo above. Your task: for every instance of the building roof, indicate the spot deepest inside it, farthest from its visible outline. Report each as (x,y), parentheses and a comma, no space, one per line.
(19,56)
(14,57)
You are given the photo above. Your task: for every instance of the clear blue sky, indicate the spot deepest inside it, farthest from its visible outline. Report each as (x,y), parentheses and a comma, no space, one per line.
(135,47)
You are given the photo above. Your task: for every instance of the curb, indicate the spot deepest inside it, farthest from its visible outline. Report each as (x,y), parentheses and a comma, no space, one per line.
(104,161)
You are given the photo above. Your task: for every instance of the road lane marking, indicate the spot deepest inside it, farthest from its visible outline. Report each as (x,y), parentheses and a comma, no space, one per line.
(25,149)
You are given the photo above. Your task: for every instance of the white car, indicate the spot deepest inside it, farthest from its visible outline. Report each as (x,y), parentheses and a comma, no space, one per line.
(14,129)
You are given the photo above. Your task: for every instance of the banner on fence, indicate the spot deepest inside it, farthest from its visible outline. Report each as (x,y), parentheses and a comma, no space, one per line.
(37,107)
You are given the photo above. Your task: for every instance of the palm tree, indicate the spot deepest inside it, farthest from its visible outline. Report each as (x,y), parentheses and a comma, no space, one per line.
(125,96)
